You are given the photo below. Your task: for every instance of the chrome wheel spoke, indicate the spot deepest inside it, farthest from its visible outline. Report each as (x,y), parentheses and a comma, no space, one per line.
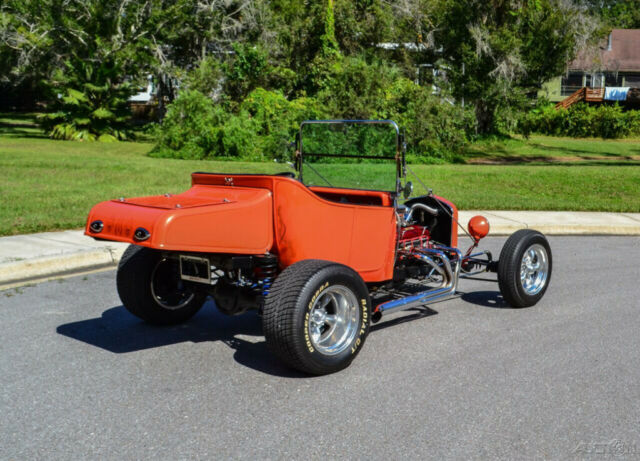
(334,320)
(331,319)
(324,301)
(534,269)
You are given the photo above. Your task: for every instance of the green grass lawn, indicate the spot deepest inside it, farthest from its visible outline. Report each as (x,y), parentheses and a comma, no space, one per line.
(51,185)
(539,150)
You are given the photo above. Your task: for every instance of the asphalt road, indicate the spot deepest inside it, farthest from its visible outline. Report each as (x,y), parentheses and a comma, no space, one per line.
(80,378)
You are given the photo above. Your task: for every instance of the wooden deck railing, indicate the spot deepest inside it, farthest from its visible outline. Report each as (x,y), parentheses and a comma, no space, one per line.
(583,94)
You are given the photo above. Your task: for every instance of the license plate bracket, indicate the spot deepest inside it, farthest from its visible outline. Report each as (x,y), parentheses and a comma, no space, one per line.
(195,269)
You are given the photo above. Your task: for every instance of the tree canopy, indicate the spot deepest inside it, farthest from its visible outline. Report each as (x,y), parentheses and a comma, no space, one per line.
(351,56)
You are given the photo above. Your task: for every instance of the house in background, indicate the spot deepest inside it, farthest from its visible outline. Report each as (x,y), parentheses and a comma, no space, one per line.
(615,64)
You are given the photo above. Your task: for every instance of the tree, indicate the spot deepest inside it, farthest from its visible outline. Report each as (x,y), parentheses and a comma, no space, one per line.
(91,55)
(497,51)
(619,14)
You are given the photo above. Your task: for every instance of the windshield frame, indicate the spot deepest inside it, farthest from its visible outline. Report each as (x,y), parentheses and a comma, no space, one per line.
(399,156)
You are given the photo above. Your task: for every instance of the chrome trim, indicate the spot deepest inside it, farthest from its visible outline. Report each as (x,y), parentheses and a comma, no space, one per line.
(420,206)
(334,320)
(420,299)
(141,234)
(534,269)
(196,260)
(96,226)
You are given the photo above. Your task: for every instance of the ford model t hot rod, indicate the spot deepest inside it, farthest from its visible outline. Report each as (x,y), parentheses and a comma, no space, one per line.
(320,263)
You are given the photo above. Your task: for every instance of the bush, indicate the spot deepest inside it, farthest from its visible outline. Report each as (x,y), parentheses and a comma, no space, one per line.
(90,103)
(278,119)
(355,89)
(261,124)
(581,121)
(196,128)
(436,130)
(192,128)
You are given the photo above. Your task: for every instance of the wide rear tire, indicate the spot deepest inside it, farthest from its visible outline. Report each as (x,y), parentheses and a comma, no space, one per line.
(316,316)
(150,288)
(524,268)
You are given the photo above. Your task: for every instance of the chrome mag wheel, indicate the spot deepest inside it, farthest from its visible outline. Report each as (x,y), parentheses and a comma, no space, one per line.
(334,320)
(534,269)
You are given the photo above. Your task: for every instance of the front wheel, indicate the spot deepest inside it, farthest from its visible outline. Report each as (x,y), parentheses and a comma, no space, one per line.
(150,287)
(316,316)
(524,268)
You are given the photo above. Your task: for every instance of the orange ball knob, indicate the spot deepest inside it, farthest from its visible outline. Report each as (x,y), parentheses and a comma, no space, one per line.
(478,227)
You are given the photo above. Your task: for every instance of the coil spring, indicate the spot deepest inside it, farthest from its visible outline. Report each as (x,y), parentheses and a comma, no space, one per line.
(267,266)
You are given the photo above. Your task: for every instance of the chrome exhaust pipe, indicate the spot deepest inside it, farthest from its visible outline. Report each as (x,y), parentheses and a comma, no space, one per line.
(420,299)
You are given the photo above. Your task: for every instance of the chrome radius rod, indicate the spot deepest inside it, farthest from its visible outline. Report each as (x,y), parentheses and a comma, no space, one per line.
(422,298)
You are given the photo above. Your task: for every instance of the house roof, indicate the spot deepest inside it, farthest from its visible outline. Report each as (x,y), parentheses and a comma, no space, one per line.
(620,52)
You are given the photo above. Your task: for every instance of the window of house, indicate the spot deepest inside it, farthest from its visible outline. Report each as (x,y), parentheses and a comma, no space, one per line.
(571,83)
(632,80)
(597,80)
(612,79)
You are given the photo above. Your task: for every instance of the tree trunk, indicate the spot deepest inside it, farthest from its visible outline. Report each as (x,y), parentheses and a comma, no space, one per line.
(485,116)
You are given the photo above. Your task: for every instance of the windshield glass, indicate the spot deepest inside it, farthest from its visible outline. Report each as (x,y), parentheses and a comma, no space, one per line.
(352,154)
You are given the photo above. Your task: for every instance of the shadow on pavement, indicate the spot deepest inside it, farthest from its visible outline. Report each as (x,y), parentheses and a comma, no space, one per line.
(120,332)
(418,313)
(485,298)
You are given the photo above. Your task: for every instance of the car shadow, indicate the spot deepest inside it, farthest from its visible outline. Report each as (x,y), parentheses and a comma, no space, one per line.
(120,332)
(486,299)
(417,313)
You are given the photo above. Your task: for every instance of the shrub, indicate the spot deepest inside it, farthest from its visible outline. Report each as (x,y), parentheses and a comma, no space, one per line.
(91,103)
(196,128)
(205,78)
(436,129)
(278,119)
(581,121)
(263,124)
(192,128)
(354,88)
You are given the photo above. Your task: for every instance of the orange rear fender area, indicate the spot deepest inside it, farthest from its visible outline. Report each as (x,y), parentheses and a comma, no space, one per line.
(203,219)
(360,232)
(254,214)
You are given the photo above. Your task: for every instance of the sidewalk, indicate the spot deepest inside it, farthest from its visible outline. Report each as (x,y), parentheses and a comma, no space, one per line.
(37,257)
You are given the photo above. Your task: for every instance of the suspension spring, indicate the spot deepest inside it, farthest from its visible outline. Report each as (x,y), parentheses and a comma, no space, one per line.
(266,269)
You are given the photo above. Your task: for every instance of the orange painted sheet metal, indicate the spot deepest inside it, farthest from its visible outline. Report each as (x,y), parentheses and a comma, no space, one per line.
(310,227)
(252,214)
(203,219)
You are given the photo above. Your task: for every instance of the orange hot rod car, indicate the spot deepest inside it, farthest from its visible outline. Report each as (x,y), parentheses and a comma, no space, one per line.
(320,263)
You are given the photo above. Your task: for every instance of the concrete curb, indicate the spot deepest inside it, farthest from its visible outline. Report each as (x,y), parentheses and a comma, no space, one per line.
(49,267)
(33,258)
(37,257)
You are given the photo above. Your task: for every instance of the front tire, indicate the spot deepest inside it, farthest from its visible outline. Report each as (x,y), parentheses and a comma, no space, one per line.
(150,288)
(316,316)
(524,268)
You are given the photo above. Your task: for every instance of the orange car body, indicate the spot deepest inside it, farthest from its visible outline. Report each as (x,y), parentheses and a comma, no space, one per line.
(255,214)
